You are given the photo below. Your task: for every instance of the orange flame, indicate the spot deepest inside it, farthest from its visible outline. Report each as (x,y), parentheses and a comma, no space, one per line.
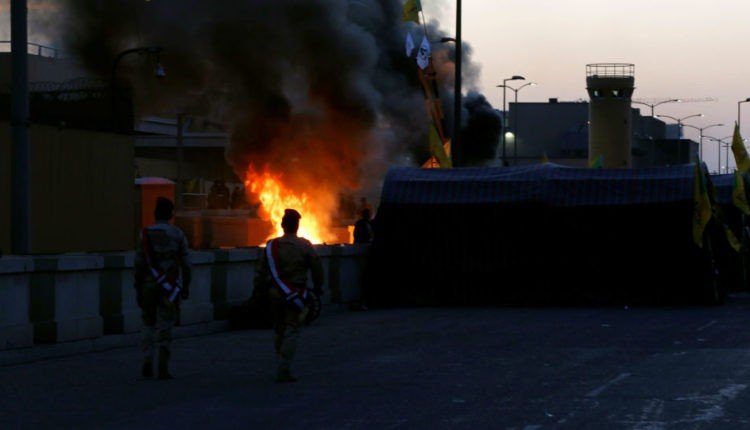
(275,198)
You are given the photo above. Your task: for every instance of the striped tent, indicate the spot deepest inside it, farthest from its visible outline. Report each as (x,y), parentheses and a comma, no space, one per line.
(547,184)
(541,233)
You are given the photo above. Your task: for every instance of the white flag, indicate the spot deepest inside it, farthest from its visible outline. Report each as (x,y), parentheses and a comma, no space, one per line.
(409,45)
(423,56)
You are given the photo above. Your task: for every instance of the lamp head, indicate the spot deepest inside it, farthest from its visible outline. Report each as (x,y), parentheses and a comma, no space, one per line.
(517,78)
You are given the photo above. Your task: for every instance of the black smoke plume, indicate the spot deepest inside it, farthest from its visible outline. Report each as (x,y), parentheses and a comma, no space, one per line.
(318,89)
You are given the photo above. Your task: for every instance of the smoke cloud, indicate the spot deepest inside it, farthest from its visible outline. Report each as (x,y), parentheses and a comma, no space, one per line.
(319,90)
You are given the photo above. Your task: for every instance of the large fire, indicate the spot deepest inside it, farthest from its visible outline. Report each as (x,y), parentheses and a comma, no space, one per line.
(274,197)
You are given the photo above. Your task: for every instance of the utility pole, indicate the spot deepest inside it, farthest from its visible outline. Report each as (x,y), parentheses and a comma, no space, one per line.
(19,121)
(456,144)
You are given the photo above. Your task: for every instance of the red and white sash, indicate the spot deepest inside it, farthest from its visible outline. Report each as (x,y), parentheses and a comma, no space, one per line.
(295,296)
(172,286)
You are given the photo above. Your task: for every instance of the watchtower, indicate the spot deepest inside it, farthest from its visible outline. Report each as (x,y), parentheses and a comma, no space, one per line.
(610,87)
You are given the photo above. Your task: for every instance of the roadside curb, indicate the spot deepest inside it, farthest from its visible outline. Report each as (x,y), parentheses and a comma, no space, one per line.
(41,352)
(104,343)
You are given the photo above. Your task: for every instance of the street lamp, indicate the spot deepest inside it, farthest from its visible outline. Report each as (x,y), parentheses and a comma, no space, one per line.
(679,121)
(739,103)
(652,106)
(159,72)
(719,142)
(700,129)
(505,122)
(456,158)
(515,121)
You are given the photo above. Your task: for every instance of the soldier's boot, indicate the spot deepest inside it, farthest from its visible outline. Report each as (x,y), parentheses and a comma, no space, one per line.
(147,370)
(164,363)
(285,376)
(283,373)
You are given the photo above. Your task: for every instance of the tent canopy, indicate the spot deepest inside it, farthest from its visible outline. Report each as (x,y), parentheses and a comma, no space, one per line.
(548,184)
(538,232)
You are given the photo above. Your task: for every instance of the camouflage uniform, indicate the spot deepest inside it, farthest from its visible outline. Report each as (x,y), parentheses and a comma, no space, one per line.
(169,254)
(296,256)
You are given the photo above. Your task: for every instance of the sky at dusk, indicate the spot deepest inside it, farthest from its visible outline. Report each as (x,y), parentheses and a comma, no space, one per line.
(681,49)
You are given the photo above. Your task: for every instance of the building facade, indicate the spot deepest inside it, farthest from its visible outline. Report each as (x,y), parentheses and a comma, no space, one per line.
(559,132)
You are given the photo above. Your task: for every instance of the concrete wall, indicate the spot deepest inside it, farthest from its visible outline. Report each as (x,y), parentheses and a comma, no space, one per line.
(81,185)
(47,299)
(5,184)
(16,329)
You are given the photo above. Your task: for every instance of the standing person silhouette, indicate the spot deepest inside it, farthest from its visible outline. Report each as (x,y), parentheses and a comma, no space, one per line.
(283,266)
(363,232)
(162,278)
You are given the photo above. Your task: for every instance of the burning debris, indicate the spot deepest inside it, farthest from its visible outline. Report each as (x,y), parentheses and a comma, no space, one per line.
(318,94)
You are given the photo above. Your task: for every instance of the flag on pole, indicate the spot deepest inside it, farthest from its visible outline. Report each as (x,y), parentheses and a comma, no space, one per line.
(732,239)
(739,197)
(701,205)
(739,151)
(423,56)
(437,148)
(409,45)
(411,11)
(545,159)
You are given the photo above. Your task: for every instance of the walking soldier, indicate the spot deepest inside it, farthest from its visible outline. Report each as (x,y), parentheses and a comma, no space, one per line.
(284,265)
(162,279)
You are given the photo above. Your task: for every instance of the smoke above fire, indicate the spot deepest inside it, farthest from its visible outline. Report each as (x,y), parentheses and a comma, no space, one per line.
(318,91)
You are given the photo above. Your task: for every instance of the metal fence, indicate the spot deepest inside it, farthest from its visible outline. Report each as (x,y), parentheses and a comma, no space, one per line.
(35,49)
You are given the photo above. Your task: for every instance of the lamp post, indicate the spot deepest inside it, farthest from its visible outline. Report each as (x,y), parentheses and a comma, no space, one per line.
(679,121)
(143,49)
(505,121)
(456,144)
(739,103)
(719,142)
(515,121)
(700,129)
(652,106)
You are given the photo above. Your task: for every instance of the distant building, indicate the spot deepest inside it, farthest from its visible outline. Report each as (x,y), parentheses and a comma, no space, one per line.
(559,131)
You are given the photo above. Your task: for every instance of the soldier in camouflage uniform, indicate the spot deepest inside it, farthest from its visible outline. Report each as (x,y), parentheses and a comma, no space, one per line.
(166,252)
(296,256)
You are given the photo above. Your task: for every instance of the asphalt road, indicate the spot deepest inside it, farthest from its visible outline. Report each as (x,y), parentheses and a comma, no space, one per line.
(498,368)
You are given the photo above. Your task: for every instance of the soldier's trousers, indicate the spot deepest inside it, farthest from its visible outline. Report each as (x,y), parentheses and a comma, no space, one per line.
(159,316)
(286,323)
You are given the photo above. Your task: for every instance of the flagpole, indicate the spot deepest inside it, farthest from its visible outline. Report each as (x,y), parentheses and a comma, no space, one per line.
(424,25)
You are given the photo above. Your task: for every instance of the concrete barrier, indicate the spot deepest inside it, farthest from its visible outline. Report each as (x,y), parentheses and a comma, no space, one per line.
(199,308)
(117,302)
(50,299)
(16,330)
(232,276)
(350,272)
(65,298)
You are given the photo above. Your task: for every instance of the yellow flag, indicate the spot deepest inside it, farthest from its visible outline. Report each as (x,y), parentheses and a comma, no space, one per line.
(739,151)
(597,163)
(411,10)
(732,239)
(545,159)
(701,206)
(739,197)
(437,148)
